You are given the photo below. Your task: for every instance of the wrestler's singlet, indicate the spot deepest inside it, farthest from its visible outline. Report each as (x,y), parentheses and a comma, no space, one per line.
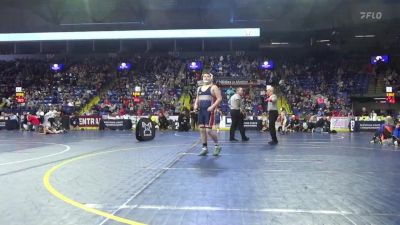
(206,119)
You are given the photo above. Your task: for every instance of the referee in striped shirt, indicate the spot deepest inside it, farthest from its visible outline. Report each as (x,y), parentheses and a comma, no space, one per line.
(272,113)
(237,114)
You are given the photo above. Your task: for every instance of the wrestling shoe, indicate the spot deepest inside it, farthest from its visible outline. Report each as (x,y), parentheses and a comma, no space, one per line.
(217,150)
(204,151)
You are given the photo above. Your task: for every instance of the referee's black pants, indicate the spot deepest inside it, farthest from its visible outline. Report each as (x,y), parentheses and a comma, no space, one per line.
(237,122)
(272,117)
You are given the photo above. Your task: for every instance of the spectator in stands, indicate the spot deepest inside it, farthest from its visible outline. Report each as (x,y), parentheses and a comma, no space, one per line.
(122,111)
(322,125)
(8,102)
(3,104)
(163,121)
(229,92)
(184,120)
(264,119)
(283,122)
(321,102)
(311,124)
(3,116)
(12,116)
(373,116)
(364,111)
(320,112)
(294,124)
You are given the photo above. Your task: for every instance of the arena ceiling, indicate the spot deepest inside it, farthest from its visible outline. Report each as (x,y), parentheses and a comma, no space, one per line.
(279,20)
(270,15)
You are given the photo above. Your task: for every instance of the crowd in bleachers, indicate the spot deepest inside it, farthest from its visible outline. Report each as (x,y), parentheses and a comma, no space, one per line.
(165,85)
(392,79)
(234,66)
(19,73)
(158,85)
(318,88)
(66,90)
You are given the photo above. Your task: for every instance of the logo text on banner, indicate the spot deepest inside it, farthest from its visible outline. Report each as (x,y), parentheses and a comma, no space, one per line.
(89,121)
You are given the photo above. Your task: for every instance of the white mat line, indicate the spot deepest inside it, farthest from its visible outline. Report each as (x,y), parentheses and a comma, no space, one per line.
(67,148)
(211,208)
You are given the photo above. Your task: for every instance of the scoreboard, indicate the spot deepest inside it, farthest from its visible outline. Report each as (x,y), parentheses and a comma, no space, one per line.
(390,96)
(19,95)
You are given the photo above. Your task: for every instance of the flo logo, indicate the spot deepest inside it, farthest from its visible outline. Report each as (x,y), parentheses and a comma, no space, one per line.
(371,15)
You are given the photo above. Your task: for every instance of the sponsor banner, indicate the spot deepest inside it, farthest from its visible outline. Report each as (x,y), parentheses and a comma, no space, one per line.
(119,124)
(224,82)
(248,124)
(89,121)
(228,121)
(340,123)
(360,126)
(114,123)
(2,124)
(252,124)
(230,81)
(8,124)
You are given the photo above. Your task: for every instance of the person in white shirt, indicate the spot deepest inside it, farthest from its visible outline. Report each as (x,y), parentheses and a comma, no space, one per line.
(237,114)
(272,113)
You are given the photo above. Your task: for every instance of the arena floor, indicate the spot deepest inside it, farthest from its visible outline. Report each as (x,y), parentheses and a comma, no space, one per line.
(107,177)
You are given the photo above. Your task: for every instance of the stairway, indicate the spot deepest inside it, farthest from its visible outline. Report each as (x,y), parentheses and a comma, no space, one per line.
(283,103)
(96,99)
(376,87)
(182,70)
